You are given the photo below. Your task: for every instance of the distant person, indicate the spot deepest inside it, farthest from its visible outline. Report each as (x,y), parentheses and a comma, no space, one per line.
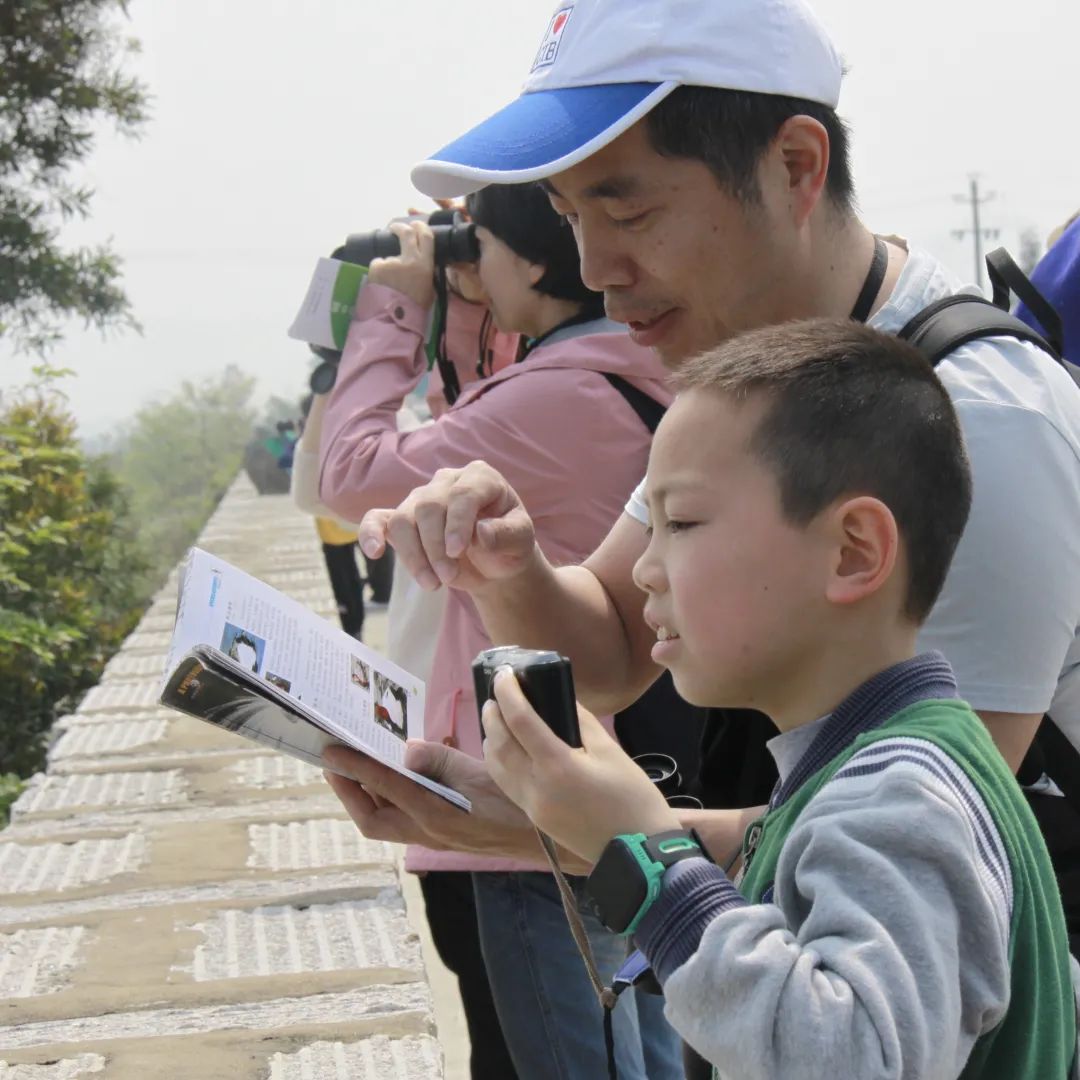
(561,422)
(1057,277)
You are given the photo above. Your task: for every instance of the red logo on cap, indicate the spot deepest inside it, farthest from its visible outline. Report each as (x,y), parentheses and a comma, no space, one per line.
(549,47)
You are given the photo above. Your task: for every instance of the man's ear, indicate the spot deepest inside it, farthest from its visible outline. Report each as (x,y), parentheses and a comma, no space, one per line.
(801,151)
(536,272)
(867,545)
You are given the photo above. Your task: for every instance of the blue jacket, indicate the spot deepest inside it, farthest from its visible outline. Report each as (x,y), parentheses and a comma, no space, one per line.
(1057,277)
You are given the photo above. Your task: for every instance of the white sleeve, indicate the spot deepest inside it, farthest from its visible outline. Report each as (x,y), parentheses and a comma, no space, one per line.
(1007,615)
(636,506)
(304,487)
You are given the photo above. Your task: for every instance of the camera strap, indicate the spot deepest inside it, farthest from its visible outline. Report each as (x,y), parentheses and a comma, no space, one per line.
(605,995)
(451,384)
(872,285)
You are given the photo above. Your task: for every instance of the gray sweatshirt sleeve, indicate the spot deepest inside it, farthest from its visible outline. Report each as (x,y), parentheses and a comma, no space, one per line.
(884,953)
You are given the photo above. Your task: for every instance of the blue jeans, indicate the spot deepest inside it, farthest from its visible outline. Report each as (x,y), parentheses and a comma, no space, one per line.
(551,1020)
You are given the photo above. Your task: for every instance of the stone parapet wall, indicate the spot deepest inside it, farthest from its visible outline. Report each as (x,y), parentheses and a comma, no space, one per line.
(177,903)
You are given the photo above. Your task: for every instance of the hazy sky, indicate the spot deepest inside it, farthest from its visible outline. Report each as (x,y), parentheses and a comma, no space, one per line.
(278,127)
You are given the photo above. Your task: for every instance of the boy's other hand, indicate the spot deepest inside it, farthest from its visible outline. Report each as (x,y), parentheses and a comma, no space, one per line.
(580,797)
(388,806)
(465,527)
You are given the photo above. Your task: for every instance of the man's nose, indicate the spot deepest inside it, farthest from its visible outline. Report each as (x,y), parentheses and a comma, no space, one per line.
(604,265)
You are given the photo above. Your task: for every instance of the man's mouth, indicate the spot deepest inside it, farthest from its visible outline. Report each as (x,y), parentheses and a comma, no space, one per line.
(649,332)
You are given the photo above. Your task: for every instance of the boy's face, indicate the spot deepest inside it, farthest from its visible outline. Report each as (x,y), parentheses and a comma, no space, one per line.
(735,592)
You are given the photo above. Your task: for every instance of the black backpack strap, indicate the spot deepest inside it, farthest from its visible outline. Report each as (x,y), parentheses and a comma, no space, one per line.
(957,320)
(648,409)
(1007,278)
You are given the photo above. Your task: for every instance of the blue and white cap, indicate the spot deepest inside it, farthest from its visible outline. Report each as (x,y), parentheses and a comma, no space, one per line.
(603,64)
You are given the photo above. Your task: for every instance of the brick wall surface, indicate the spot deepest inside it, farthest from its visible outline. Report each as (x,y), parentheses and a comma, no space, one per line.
(177,903)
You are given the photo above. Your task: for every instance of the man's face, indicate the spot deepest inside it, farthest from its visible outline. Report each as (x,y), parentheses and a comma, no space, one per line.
(683,263)
(734,591)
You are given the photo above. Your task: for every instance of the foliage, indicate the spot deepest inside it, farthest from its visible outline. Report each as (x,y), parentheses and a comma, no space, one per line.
(10,789)
(178,457)
(68,568)
(60,74)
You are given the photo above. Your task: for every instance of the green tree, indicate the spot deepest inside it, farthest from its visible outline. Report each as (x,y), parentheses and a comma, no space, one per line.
(69,564)
(60,74)
(178,457)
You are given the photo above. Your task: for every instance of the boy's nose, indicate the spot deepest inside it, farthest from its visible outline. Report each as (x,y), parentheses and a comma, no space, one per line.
(648,573)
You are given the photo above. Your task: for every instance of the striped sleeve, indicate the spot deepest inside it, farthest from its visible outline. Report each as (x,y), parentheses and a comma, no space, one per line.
(926,763)
(883,949)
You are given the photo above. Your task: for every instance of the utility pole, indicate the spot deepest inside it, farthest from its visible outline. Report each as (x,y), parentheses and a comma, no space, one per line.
(977,231)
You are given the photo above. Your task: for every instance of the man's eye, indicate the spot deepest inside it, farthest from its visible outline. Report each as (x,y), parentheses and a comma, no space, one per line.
(570,219)
(630,222)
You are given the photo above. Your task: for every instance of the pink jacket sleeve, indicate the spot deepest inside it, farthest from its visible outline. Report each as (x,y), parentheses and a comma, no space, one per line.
(367,463)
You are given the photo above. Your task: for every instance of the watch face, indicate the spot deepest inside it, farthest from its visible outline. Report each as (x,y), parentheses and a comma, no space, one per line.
(617,887)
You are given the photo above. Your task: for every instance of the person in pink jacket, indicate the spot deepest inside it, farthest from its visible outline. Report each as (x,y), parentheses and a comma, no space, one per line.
(559,424)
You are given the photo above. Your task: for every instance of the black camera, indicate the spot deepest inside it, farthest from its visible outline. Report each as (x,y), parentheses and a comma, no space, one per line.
(455,242)
(545,679)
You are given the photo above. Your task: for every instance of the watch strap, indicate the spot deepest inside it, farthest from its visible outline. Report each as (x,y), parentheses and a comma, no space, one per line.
(650,857)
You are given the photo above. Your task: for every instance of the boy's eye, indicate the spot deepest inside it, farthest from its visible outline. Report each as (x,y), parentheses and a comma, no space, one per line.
(570,219)
(680,526)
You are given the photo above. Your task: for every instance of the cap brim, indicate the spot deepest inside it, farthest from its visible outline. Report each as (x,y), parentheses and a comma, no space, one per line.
(538,135)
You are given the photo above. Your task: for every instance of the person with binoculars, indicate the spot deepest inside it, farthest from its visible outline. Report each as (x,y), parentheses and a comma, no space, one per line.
(576,385)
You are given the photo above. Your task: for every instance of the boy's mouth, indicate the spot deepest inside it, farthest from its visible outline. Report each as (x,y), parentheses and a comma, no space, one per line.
(664,634)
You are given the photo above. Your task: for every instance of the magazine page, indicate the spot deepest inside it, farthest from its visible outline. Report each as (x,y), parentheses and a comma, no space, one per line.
(291,653)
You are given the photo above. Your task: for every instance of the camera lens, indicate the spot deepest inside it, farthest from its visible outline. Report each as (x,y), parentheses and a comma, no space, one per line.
(685,802)
(323,378)
(662,770)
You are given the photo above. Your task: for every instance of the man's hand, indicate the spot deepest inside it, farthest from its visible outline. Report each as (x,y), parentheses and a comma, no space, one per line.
(580,797)
(465,527)
(413,271)
(388,806)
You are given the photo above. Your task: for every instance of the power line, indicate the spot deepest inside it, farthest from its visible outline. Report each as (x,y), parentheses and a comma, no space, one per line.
(978,233)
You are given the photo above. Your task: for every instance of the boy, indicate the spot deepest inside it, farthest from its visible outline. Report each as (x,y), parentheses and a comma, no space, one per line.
(895,914)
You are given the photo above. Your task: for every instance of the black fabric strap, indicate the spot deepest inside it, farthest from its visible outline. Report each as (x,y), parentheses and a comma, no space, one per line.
(956,320)
(451,383)
(1005,278)
(872,285)
(648,409)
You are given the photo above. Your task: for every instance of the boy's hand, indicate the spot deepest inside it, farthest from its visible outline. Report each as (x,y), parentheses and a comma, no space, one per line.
(413,271)
(580,797)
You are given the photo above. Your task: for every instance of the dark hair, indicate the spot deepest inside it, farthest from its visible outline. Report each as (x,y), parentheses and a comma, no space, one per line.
(729,130)
(852,411)
(521,216)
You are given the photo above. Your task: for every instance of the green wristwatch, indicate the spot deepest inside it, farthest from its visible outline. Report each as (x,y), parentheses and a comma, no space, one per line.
(627,877)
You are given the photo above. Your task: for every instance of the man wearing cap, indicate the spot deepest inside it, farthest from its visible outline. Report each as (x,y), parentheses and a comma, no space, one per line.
(695,150)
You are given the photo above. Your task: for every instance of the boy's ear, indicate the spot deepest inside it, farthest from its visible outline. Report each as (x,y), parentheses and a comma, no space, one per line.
(867,549)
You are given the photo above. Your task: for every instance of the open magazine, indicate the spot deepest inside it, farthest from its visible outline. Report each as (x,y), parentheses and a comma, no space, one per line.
(248,659)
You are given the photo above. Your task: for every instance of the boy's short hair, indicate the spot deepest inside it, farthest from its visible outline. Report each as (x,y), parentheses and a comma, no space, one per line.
(852,411)
(730,130)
